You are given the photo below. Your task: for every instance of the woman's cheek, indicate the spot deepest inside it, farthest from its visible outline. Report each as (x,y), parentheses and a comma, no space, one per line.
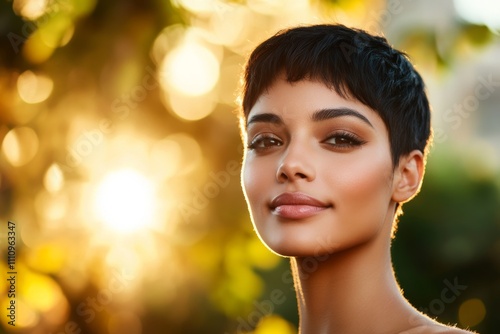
(362,187)
(253,181)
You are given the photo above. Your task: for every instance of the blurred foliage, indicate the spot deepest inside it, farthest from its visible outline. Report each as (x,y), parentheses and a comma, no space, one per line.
(451,232)
(134,101)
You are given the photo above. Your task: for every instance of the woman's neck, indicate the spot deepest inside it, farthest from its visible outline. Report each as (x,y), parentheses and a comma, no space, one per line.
(352,291)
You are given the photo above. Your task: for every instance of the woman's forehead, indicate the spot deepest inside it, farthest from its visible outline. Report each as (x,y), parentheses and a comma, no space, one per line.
(306,99)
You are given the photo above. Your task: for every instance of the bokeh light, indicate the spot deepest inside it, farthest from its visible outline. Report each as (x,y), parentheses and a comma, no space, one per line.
(42,293)
(471,312)
(191,69)
(58,32)
(34,88)
(20,145)
(274,324)
(191,108)
(229,26)
(125,201)
(30,9)
(53,179)
(47,258)
(35,50)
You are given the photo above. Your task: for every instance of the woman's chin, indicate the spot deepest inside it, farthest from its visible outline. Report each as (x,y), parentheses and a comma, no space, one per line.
(295,248)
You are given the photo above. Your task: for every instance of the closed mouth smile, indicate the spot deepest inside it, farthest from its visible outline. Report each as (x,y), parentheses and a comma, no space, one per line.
(297,205)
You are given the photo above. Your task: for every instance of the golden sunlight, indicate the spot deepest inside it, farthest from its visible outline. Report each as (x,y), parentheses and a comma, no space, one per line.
(34,88)
(53,179)
(125,201)
(190,69)
(30,9)
(192,108)
(20,145)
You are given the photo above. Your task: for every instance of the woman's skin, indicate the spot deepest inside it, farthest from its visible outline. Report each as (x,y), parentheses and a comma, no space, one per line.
(322,189)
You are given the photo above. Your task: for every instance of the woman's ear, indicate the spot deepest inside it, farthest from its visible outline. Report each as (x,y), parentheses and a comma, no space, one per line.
(408,176)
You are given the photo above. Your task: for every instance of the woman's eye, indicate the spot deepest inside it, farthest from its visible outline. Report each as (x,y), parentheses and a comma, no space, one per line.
(344,140)
(264,142)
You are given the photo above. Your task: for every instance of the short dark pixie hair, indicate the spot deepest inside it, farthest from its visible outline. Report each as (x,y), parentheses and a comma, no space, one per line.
(356,65)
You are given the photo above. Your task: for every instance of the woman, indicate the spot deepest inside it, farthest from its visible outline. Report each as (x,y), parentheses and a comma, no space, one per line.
(337,126)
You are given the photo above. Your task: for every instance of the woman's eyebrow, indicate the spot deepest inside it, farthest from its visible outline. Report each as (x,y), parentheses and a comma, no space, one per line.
(328,113)
(265,118)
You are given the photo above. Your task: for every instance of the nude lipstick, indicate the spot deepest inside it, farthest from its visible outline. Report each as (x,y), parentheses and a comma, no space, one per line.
(296,205)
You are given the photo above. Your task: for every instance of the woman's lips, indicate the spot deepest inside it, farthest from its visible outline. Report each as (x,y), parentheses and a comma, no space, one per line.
(297,211)
(297,205)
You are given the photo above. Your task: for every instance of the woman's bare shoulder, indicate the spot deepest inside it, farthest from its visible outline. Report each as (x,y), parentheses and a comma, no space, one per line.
(454,330)
(437,329)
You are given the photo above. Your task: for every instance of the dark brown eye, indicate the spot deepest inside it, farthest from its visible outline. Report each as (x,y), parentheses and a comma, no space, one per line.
(344,140)
(264,142)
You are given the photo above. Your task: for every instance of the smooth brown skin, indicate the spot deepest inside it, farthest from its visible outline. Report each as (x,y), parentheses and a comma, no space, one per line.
(340,256)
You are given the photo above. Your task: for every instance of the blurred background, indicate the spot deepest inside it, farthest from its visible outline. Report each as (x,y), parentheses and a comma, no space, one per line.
(120,154)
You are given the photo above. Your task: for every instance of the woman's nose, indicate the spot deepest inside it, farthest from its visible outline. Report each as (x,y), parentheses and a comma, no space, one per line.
(295,165)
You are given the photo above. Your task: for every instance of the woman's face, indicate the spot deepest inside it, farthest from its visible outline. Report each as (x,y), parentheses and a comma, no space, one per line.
(317,172)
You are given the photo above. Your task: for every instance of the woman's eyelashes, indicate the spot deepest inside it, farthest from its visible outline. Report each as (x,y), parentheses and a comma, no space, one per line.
(264,141)
(344,140)
(338,140)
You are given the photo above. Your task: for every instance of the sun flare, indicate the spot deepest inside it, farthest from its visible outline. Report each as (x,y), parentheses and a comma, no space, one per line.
(125,201)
